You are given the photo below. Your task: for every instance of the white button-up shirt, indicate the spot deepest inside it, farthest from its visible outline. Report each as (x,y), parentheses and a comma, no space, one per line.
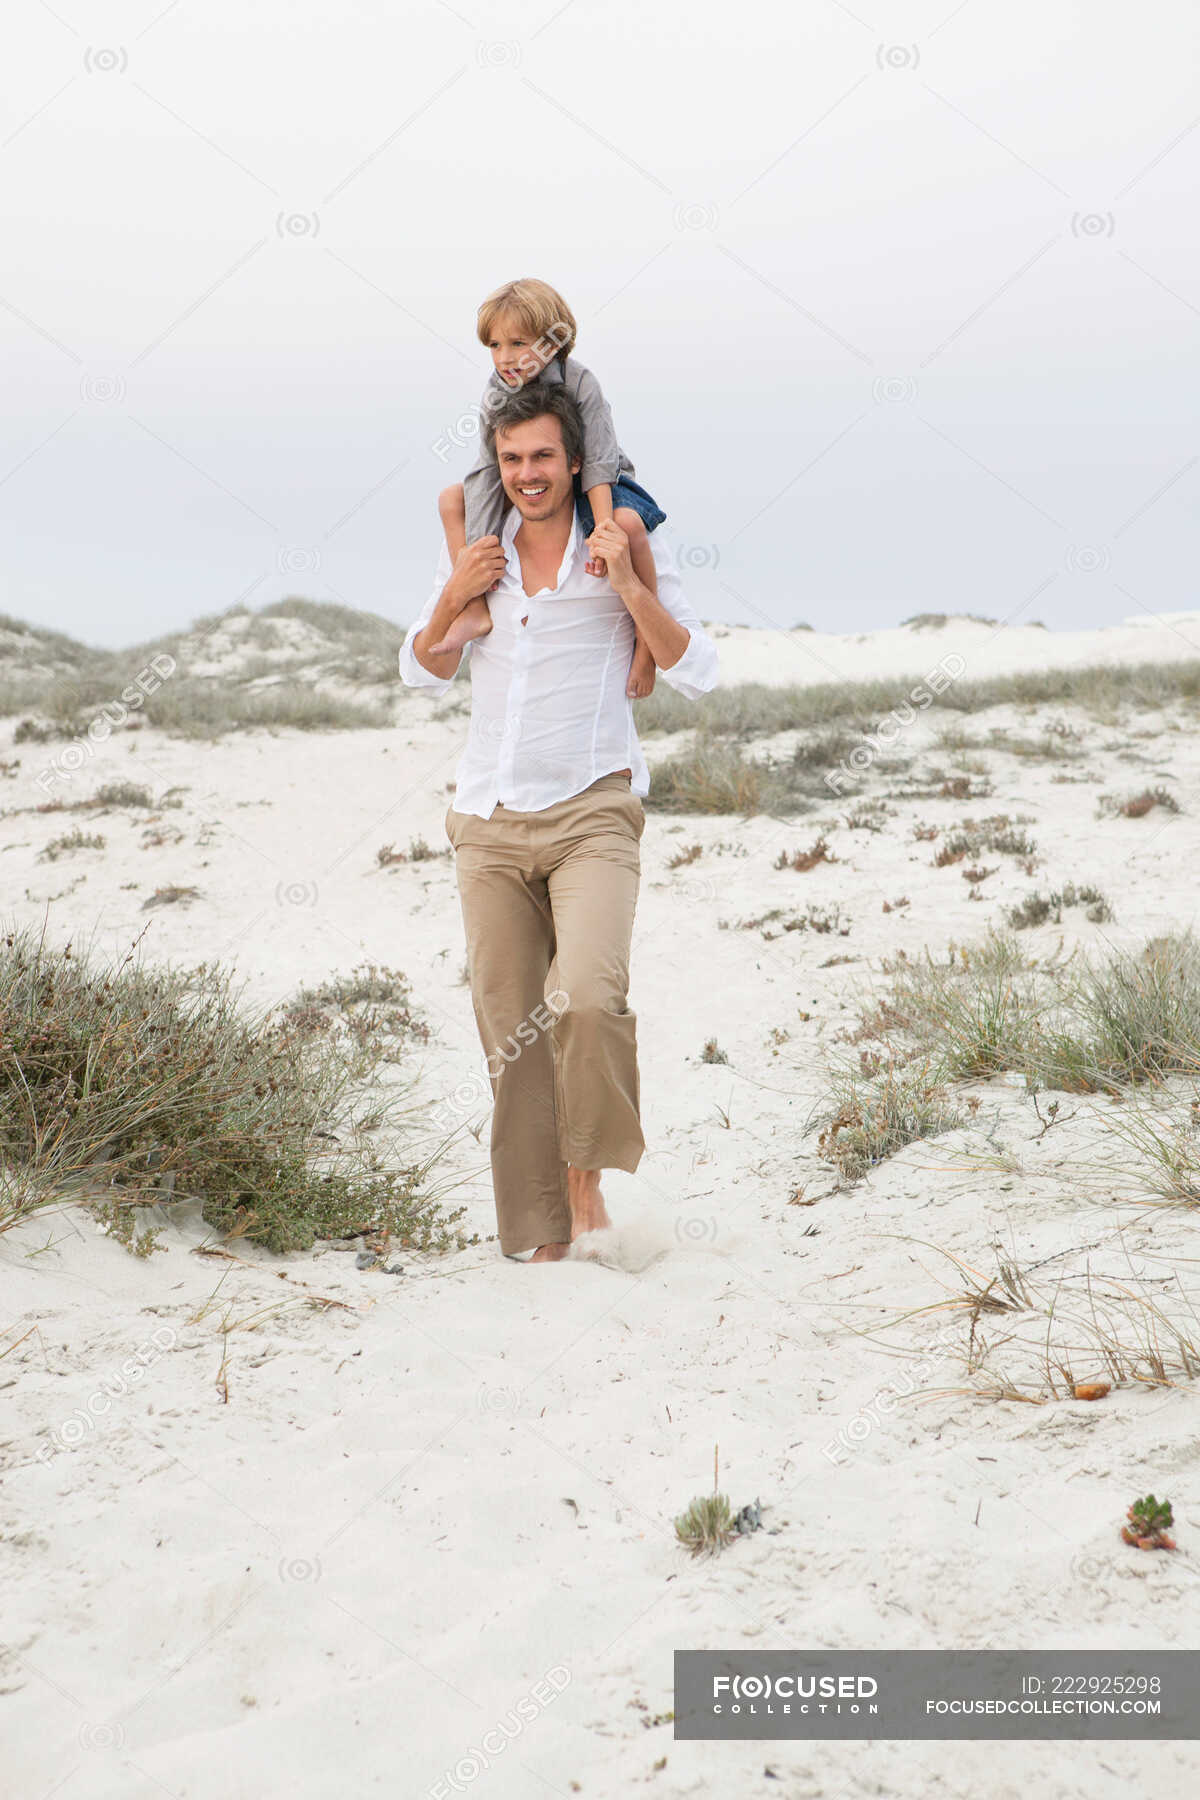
(549,711)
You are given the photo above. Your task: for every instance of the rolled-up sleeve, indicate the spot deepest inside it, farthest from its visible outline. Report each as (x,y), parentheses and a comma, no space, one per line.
(601,451)
(413,673)
(698,670)
(484,499)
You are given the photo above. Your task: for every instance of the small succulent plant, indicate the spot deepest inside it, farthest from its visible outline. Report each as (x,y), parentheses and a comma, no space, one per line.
(1149,1524)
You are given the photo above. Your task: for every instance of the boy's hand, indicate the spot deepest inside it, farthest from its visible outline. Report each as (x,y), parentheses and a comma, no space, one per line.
(478,568)
(595,564)
(610,547)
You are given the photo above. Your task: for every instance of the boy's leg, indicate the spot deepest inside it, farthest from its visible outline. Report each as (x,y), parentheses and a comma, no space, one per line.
(474,621)
(641,669)
(452,508)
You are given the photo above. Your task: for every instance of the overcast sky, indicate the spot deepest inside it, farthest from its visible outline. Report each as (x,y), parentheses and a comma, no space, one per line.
(897,305)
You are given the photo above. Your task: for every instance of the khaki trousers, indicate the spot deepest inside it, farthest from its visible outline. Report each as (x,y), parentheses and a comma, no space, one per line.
(548,900)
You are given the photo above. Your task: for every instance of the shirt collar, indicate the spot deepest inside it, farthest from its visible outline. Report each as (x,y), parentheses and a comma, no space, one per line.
(512,525)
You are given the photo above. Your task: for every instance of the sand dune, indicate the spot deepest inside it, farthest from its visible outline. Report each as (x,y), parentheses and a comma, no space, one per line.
(808,657)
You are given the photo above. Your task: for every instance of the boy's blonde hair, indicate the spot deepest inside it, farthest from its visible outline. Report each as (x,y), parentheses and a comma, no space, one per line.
(540,308)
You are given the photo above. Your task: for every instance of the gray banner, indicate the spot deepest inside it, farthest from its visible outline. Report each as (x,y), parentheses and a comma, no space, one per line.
(937,1694)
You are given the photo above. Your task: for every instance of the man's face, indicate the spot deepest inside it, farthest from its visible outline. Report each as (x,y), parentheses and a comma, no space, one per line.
(534,469)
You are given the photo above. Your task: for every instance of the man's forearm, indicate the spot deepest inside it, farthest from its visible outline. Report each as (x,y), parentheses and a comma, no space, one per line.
(665,638)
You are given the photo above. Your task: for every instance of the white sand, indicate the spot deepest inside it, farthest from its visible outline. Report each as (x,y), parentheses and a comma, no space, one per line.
(412,1509)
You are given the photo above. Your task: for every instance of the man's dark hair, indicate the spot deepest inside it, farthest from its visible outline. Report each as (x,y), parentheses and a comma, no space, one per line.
(530,402)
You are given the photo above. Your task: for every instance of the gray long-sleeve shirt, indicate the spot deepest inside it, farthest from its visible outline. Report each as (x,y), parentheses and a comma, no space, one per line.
(603,458)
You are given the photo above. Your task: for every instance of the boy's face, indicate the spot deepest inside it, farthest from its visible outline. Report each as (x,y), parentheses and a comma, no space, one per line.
(535,471)
(517,354)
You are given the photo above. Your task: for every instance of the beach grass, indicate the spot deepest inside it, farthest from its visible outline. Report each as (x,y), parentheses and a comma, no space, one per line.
(125,1083)
(279,663)
(1096,1023)
(756,709)
(1087,1024)
(867,1120)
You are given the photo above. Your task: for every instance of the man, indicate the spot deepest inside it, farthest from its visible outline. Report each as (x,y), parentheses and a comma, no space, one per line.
(548,818)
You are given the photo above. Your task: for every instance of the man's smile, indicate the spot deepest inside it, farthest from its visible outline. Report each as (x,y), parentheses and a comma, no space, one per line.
(533,493)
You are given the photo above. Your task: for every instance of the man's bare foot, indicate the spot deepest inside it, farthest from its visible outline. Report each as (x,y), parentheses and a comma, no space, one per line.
(474,621)
(641,674)
(549,1253)
(588,1212)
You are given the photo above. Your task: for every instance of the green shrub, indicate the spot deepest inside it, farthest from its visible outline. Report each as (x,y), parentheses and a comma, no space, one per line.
(146,1081)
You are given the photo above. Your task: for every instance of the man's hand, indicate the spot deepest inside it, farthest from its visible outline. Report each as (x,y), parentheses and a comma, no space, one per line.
(662,634)
(608,544)
(478,568)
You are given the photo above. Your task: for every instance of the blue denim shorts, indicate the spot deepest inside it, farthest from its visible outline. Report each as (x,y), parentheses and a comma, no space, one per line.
(624,493)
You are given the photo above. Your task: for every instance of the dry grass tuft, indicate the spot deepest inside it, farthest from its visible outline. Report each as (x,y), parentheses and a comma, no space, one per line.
(975,837)
(70,841)
(1040,909)
(869,1120)
(802,860)
(1136,806)
(821,920)
(685,855)
(1078,1337)
(171,896)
